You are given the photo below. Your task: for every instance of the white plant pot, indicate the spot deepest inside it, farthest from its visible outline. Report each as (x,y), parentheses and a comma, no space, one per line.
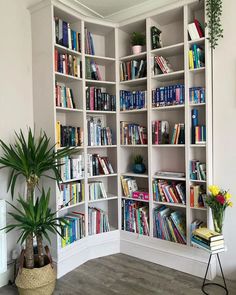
(137,49)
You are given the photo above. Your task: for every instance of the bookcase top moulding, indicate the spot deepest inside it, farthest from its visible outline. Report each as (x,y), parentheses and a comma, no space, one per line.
(111,42)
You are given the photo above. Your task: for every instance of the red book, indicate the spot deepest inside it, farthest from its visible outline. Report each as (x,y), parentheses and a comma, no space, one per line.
(191,196)
(56,60)
(198,27)
(98,221)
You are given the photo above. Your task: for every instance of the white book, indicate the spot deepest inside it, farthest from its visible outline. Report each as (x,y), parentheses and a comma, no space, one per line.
(69,36)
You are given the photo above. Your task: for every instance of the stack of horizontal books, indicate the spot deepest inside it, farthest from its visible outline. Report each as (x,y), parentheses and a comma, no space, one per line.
(208,240)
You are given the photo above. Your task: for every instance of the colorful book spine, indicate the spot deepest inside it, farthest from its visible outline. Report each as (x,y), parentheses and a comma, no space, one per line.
(97,134)
(97,99)
(197,95)
(132,134)
(134,69)
(133,100)
(69,136)
(196,57)
(98,221)
(89,43)
(197,196)
(97,191)
(72,168)
(197,170)
(64,96)
(168,95)
(71,194)
(97,165)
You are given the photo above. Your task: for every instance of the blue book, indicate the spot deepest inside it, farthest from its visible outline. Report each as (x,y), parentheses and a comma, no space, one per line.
(65,34)
(194,115)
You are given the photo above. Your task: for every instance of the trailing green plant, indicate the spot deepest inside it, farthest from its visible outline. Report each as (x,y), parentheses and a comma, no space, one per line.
(35,219)
(138,38)
(31,158)
(138,159)
(214,12)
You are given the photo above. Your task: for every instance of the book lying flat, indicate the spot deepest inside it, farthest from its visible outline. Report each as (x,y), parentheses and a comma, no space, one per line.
(170,174)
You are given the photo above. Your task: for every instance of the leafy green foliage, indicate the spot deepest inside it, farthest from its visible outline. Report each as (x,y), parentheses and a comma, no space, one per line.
(214,13)
(36,219)
(32,158)
(138,39)
(138,159)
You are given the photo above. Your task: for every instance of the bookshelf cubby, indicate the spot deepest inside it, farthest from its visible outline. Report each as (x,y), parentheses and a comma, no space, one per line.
(110,48)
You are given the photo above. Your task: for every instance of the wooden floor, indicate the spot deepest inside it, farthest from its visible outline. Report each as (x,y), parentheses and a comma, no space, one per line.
(121,274)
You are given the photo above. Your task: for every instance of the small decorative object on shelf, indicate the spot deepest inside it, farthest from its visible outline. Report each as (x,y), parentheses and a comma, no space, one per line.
(218,200)
(137,41)
(138,166)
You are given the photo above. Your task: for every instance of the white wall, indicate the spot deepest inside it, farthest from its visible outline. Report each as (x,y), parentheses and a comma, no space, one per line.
(224,110)
(16,104)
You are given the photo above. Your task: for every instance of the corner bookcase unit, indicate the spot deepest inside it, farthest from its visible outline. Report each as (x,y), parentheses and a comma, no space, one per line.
(112,54)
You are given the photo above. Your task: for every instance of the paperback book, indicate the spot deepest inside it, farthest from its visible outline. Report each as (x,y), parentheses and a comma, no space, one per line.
(68,136)
(98,165)
(64,96)
(98,221)
(71,194)
(168,95)
(98,135)
(132,133)
(133,69)
(72,168)
(97,99)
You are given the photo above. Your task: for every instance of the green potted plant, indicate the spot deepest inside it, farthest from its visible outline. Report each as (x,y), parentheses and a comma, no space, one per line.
(31,158)
(137,41)
(138,166)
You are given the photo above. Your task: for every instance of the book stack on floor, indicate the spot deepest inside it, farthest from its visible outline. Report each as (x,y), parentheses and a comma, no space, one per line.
(197,170)
(65,36)
(197,196)
(89,44)
(64,96)
(169,191)
(168,95)
(207,239)
(98,221)
(131,190)
(98,165)
(198,132)
(133,69)
(97,134)
(68,64)
(74,230)
(133,100)
(92,70)
(155,38)
(195,30)
(69,136)
(196,57)
(162,66)
(135,217)
(169,225)
(97,99)
(132,133)
(72,168)
(197,95)
(71,194)
(97,191)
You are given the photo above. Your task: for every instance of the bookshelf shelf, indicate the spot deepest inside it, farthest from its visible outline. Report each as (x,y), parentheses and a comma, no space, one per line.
(71,206)
(99,83)
(71,180)
(170,76)
(171,50)
(168,145)
(136,200)
(133,111)
(192,105)
(101,112)
(133,145)
(101,59)
(109,198)
(101,146)
(102,176)
(170,108)
(133,56)
(197,145)
(135,175)
(169,178)
(60,109)
(64,78)
(199,208)
(134,82)
(66,50)
(170,204)
(197,41)
(197,181)
(198,70)
(72,147)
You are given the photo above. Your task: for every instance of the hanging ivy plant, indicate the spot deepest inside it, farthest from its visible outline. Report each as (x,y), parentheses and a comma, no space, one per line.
(214,13)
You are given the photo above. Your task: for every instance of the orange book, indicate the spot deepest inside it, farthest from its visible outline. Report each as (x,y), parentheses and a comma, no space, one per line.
(191,196)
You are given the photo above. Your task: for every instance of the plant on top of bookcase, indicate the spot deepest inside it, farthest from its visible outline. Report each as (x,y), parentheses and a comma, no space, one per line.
(138,166)
(214,13)
(137,41)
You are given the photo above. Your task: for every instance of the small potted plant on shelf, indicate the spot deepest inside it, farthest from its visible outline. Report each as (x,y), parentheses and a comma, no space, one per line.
(32,158)
(137,41)
(138,166)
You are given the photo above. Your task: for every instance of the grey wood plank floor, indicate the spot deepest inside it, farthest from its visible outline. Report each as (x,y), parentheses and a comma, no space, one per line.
(125,275)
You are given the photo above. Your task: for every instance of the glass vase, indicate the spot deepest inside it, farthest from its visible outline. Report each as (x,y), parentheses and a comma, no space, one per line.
(218,220)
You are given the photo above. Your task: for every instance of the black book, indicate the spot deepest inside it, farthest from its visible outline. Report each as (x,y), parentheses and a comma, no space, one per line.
(155,37)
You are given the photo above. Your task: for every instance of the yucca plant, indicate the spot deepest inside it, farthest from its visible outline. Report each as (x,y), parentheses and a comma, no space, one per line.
(32,158)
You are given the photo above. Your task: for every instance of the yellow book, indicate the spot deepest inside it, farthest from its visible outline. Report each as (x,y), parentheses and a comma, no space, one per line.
(191,63)
(58,134)
(208,234)
(82,192)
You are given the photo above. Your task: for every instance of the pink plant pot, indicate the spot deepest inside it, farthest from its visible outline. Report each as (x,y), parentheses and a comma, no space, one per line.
(137,49)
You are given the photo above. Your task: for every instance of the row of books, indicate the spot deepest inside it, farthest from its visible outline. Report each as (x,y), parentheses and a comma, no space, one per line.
(70,194)
(97,134)
(132,133)
(64,96)
(197,196)
(129,185)
(98,221)
(69,135)
(133,100)
(72,168)
(169,191)
(207,239)
(195,30)
(89,44)
(197,95)
(97,191)
(98,165)
(168,95)
(161,66)
(196,57)
(169,225)
(97,99)
(178,136)
(197,223)
(197,170)
(155,38)
(65,36)
(68,64)
(133,69)
(74,230)
(135,217)
(198,132)
(92,70)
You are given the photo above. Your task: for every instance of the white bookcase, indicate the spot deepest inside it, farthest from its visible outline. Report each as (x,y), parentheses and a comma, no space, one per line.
(112,46)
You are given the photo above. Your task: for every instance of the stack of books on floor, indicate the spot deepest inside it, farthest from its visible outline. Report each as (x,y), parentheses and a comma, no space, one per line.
(133,69)
(197,95)
(71,194)
(65,36)
(69,135)
(89,44)
(97,99)
(64,96)
(197,170)
(169,225)
(97,191)
(197,196)
(196,57)
(98,165)
(97,134)
(195,30)
(207,239)
(133,100)
(98,221)
(92,70)
(135,217)
(74,230)
(132,133)
(72,168)
(168,95)
(162,66)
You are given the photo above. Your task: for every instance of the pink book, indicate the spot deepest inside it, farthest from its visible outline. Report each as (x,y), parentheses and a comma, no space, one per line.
(98,73)
(141,194)
(92,98)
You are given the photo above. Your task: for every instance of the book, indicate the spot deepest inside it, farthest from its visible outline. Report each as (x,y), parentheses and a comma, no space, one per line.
(155,38)
(170,174)
(68,135)
(98,134)
(97,191)
(134,69)
(97,99)
(162,65)
(196,57)
(97,165)
(133,100)
(197,95)
(208,234)
(98,221)
(195,30)
(64,96)
(178,135)
(168,95)
(72,167)
(160,132)
(70,194)
(89,43)
(197,170)
(132,133)
(129,186)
